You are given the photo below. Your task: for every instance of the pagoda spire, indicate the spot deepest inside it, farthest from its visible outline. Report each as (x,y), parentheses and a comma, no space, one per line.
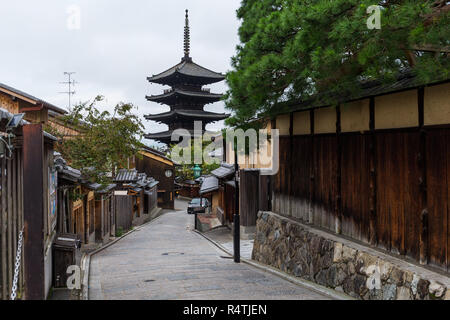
(187,38)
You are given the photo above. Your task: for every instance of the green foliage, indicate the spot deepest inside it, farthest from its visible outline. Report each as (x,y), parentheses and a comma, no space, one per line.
(119,232)
(184,171)
(106,141)
(294,49)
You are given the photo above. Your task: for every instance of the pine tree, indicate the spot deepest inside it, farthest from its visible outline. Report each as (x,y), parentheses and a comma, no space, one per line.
(299,48)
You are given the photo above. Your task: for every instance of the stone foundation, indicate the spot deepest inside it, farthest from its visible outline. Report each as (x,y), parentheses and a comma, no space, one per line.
(334,262)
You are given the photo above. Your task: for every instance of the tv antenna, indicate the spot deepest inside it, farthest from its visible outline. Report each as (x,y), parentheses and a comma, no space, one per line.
(71,83)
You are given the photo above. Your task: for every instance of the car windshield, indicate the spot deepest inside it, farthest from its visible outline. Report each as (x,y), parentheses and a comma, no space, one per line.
(195,201)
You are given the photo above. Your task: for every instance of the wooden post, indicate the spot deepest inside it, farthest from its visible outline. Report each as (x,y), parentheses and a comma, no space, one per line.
(373,178)
(263,192)
(311,175)
(423,237)
(273,125)
(33,191)
(14,204)
(21,216)
(338,203)
(291,165)
(9,211)
(4,261)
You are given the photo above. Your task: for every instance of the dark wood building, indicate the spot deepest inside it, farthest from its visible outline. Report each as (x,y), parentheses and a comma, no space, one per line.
(373,167)
(157,165)
(134,198)
(187,97)
(223,200)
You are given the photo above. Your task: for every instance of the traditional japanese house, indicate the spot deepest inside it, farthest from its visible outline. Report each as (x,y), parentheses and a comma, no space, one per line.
(36,110)
(188,188)
(28,202)
(70,217)
(104,213)
(373,167)
(187,97)
(209,188)
(223,204)
(135,198)
(84,208)
(155,164)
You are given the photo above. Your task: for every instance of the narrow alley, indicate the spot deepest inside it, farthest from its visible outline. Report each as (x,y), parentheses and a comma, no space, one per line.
(167,260)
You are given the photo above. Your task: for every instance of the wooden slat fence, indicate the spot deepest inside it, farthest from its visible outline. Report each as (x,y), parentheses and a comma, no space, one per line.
(11,221)
(333,181)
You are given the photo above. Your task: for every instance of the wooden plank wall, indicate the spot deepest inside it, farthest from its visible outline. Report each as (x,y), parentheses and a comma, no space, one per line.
(11,221)
(302,150)
(325,180)
(248,209)
(438,179)
(398,194)
(355,185)
(389,188)
(124,212)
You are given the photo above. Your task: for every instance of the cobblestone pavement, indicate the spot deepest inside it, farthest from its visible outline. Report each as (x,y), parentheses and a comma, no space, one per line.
(165,260)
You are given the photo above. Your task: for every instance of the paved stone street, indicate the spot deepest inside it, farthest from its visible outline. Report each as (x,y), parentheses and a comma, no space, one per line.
(166,260)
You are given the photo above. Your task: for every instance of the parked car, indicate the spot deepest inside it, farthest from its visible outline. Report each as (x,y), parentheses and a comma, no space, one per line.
(198,205)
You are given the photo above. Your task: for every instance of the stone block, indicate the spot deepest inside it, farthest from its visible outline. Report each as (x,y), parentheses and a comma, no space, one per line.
(337,255)
(389,291)
(348,253)
(396,276)
(436,289)
(447,295)
(422,288)
(364,261)
(403,293)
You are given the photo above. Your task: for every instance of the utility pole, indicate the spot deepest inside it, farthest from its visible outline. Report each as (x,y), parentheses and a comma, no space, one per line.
(70,83)
(236,217)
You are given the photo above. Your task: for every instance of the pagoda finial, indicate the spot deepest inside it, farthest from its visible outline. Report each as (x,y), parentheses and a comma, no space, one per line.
(187,38)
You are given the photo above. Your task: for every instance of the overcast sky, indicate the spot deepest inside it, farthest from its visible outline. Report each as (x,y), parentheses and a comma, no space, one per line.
(118,45)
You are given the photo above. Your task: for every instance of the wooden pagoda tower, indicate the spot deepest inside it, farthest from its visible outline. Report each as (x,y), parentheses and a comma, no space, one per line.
(187,97)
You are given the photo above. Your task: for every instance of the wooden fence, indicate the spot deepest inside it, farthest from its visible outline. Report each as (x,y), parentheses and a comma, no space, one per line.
(11,221)
(387,188)
(123,212)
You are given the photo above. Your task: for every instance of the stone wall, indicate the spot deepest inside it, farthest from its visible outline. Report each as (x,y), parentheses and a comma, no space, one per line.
(334,262)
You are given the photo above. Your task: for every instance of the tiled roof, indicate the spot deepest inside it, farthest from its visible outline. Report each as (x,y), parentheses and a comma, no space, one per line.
(65,170)
(125,175)
(225,170)
(166,136)
(205,96)
(188,114)
(190,69)
(107,189)
(143,182)
(209,184)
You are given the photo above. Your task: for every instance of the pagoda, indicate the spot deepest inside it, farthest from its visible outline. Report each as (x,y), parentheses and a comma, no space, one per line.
(187,97)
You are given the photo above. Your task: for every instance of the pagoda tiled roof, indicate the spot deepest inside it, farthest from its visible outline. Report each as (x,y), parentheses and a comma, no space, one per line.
(166,136)
(189,69)
(203,96)
(195,114)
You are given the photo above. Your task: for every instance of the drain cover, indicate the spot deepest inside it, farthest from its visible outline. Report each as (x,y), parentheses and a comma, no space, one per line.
(173,254)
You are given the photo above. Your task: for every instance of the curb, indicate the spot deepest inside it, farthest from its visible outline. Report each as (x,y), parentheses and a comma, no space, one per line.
(184,198)
(295,280)
(86,258)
